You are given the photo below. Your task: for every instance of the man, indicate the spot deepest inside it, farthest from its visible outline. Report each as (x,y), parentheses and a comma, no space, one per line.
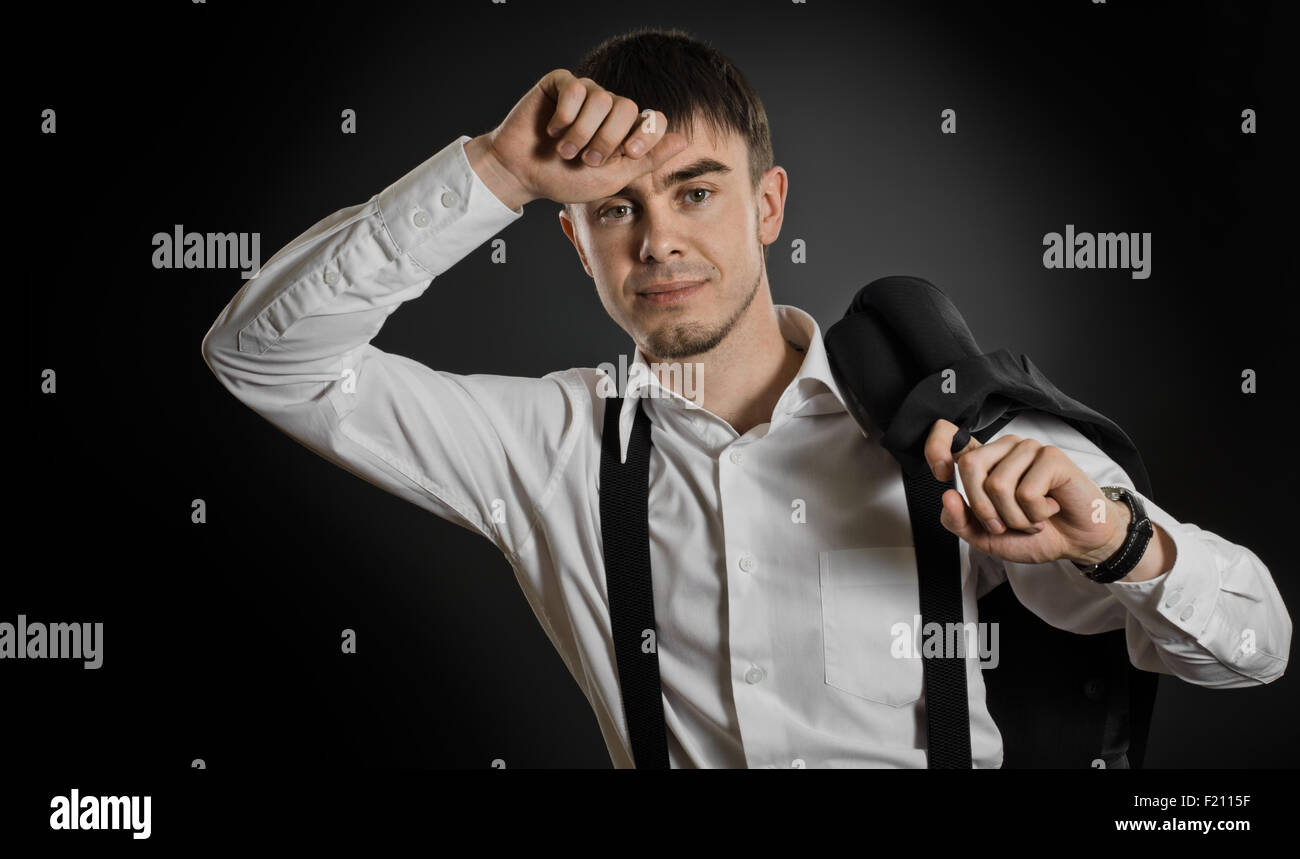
(780,542)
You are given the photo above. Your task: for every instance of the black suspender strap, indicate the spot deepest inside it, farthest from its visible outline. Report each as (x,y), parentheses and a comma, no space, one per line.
(938,569)
(625,535)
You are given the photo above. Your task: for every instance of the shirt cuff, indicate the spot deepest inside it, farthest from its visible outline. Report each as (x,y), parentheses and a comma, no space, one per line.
(1180,602)
(441,210)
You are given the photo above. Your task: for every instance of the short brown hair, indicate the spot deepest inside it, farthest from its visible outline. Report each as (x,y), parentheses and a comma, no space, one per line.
(686,79)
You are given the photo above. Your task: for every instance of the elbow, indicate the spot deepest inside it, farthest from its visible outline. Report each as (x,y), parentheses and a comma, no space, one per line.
(1274,647)
(207,349)
(212,348)
(220,351)
(1283,648)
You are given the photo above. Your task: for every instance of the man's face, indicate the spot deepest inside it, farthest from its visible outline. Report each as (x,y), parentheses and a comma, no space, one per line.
(696,219)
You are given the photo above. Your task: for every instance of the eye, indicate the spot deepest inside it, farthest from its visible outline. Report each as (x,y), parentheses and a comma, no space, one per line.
(605,214)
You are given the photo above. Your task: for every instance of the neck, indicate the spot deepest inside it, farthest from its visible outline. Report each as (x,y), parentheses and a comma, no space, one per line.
(741,379)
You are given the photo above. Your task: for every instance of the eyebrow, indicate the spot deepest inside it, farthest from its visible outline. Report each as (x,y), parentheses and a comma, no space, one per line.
(691,171)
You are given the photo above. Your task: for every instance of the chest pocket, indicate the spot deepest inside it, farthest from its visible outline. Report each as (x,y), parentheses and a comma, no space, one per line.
(866,595)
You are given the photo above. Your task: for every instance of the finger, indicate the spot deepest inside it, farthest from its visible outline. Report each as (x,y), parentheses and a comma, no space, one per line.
(568,93)
(611,132)
(940,444)
(1002,485)
(1043,476)
(648,132)
(973,466)
(662,152)
(937,447)
(593,113)
(957,518)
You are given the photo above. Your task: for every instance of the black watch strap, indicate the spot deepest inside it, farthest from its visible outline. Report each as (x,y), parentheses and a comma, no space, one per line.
(1127,556)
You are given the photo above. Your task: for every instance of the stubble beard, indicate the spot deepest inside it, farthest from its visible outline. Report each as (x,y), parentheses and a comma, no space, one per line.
(687,339)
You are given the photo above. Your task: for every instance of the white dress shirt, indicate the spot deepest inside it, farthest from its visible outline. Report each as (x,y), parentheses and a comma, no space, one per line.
(781,558)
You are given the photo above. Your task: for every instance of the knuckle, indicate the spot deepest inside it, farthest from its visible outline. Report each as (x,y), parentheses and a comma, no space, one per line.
(998,486)
(571,99)
(1024,494)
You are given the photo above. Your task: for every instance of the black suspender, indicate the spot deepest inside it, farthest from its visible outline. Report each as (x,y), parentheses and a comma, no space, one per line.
(625,535)
(938,570)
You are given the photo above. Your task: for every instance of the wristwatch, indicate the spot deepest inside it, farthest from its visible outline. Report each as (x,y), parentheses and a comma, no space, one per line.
(1127,556)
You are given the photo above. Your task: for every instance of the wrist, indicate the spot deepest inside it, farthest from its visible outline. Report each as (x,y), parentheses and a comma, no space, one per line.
(503,184)
(1159,557)
(1138,532)
(1118,517)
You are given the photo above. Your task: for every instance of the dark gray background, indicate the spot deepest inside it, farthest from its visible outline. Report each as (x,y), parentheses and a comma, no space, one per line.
(221,640)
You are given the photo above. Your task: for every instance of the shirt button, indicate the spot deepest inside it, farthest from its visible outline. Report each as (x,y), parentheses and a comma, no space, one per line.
(450,198)
(1174,597)
(1187,612)
(420,219)
(753,675)
(747,563)
(737,456)
(331,277)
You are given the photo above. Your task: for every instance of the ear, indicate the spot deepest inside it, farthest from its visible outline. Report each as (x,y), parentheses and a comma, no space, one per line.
(771,193)
(566,224)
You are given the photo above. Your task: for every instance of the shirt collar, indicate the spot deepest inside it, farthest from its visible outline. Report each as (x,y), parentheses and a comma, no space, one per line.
(811,392)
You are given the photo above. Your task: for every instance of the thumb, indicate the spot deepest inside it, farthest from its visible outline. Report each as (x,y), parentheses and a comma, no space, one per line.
(955,516)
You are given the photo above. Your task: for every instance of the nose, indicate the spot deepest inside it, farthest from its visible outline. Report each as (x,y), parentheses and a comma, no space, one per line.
(663,234)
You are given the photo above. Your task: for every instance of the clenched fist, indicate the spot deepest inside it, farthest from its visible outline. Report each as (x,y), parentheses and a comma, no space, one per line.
(571,141)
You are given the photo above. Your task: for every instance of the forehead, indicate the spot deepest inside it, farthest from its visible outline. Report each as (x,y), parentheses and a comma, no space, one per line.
(706,150)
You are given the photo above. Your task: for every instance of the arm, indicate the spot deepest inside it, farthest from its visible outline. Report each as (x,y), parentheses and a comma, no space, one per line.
(1213,616)
(294,345)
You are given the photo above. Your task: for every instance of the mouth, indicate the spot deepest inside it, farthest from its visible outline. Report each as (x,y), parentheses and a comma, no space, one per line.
(666,294)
